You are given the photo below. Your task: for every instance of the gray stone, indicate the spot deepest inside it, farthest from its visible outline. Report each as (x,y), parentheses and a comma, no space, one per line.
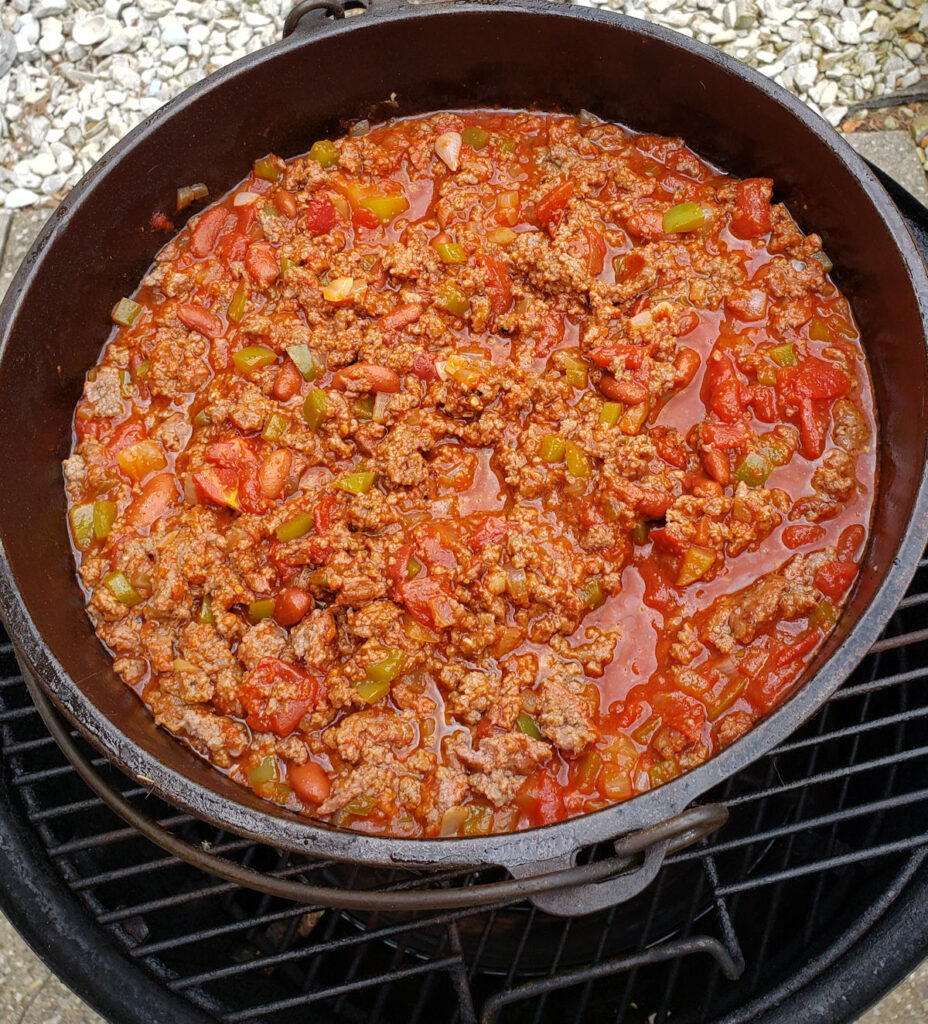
(17,198)
(123,40)
(895,153)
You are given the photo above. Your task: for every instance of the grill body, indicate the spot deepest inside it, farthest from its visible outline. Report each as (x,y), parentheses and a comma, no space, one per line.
(519,53)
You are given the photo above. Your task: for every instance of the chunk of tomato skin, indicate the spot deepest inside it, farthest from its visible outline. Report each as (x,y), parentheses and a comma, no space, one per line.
(156,497)
(752,212)
(288,382)
(323,514)
(291,605)
(263,263)
(205,233)
(491,531)
(320,215)
(424,366)
(800,535)
(543,799)
(310,782)
(498,285)
(198,319)
(549,209)
(217,485)
(236,453)
(834,578)
(398,569)
(277,695)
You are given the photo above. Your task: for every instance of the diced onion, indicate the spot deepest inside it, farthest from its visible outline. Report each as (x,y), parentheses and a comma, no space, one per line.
(586,117)
(359,128)
(244,198)
(517,584)
(381,404)
(642,319)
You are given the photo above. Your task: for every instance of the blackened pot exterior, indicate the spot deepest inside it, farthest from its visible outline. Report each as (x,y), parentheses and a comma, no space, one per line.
(404,60)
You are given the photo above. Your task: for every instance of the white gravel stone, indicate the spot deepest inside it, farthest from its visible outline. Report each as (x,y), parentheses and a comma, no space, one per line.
(48,8)
(17,198)
(173,33)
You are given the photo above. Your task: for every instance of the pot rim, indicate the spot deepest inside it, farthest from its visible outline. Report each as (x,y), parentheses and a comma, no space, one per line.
(553,844)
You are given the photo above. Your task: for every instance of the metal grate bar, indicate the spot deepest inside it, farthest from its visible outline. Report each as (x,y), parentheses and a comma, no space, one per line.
(827,864)
(62,810)
(830,776)
(854,730)
(874,685)
(43,775)
(902,640)
(329,993)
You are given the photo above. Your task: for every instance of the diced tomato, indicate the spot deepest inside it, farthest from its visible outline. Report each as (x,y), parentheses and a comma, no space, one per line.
(236,453)
(125,435)
(398,569)
(246,219)
(590,247)
(798,536)
(196,318)
(262,262)
(491,531)
(277,695)
(632,355)
(813,378)
(219,485)
(499,285)
(669,446)
(549,210)
(400,317)
(763,403)
(309,781)
(728,400)
(362,217)
(423,366)
(232,247)
(752,213)
(548,334)
(321,215)
(323,514)
(682,712)
(542,799)
(667,541)
(429,602)
(790,653)
(834,578)
(206,231)
(727,435)
(813,427)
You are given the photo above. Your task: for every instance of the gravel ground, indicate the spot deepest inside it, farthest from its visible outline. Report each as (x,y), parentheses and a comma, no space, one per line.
(86,71)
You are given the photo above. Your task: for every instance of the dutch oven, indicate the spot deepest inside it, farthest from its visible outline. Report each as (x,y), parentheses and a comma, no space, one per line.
(396,60)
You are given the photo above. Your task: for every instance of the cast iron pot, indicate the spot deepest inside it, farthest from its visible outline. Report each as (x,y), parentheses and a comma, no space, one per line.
(401,59)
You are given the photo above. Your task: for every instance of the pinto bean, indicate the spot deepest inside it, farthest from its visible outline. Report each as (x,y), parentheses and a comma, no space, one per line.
(366,377)
(686,364)
(196,318)
(288,382)
(716,464)
(400,317)
(291,605)
(627,391)
(274,472)
(156,497)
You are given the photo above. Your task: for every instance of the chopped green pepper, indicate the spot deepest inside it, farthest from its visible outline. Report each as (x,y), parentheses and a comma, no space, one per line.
(453,301)
(592,594)
(361,805)
(236,309)
(303,360)
(730,693)
(825,261)
(640,532)
(451,252)
(276,427)
(576,370)
(578,462)
(324,153)
(125,312)
(253,357)
(385,208)
(610,413)
(696,563)
(784,355)
(647,729)
(315,408)
(364,407)
(774,450)
(683,217)
(753,470)
(387,669)
(526,724)
(356,483)
(818,330)
(823,615)
(475,137)
(206,617)
(479,820)
(143,368)
(663,772)
(286,264)
(81,517)
(372,691)
(766,375)
(413,567)
(267,169)
(294,528)
(552,448)
(265,771)
(262,609)
(104,515)
(117,584)
(504,145)
(125,383)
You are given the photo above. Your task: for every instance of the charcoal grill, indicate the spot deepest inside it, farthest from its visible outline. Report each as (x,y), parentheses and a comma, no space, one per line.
(810,903)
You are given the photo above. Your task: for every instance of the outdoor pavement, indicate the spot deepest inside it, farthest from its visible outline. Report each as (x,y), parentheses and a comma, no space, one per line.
(31,994)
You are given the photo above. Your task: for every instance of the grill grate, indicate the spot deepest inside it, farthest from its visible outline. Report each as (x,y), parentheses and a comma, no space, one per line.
(826,839)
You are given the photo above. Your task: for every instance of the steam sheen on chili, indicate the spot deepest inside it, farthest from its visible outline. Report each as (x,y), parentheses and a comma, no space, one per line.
(474,471)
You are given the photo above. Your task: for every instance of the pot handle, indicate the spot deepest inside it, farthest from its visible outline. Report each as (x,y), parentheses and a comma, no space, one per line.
(651,844)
